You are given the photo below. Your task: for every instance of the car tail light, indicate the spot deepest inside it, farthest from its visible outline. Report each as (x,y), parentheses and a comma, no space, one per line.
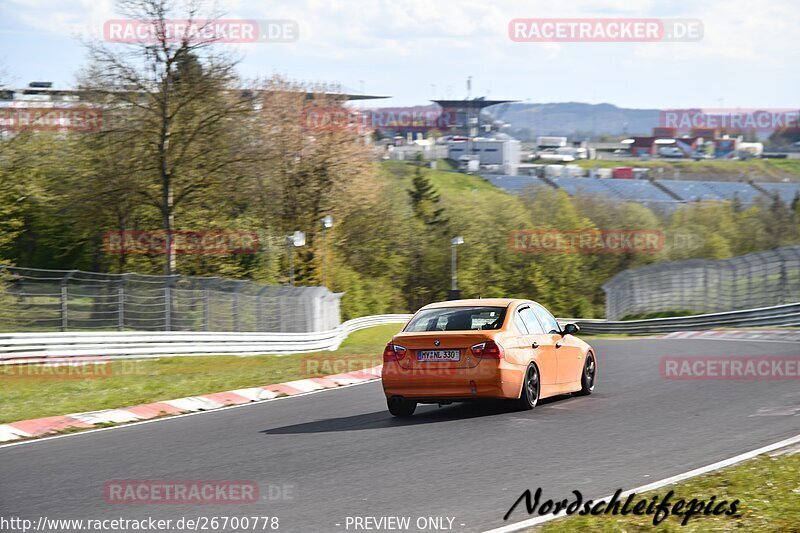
(393,352)
(488,350)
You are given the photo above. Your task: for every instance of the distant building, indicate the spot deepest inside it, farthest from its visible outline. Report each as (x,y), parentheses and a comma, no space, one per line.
(464,117)
(41,107)
(499,151)
(665,132)
(642,146)
(43,91)
(700,143)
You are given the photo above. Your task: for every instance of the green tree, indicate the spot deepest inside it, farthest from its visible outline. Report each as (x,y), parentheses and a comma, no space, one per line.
(305,173)
(555,278)
(425,201)
(779,226)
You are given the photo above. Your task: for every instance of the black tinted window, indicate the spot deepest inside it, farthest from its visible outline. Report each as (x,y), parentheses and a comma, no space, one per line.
(457,319)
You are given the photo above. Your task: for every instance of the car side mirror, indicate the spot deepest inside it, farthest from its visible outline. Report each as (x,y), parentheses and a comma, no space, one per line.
(570,329)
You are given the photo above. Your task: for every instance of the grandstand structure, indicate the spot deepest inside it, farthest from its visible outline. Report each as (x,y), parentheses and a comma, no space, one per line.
(786,191)
(658,194)
(515,184)
(41,107)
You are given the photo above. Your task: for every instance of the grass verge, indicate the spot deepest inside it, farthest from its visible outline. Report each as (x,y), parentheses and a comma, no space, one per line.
(29,392)
(767,487)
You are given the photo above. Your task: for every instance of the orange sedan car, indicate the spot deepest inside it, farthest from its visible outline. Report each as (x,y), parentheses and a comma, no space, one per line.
(489,348)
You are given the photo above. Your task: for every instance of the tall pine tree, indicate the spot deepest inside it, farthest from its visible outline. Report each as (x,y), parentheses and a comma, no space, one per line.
(425,200)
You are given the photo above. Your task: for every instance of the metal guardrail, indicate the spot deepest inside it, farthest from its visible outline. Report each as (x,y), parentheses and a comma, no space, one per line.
(779,315)
(35,347)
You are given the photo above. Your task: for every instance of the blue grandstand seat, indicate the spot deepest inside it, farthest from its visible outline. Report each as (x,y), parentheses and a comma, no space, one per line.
(786,191)
(645,192)
(692,190)
(574,186)
(728,189)
(514,184)
(638,190)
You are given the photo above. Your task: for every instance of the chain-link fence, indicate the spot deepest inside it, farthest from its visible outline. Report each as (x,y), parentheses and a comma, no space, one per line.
(760,279)
(67,300)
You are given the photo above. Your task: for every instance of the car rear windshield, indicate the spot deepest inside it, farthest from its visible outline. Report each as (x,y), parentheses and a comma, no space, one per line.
(457,319)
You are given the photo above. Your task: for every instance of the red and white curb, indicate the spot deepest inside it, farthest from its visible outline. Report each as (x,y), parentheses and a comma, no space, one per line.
(738,334)
(38,427)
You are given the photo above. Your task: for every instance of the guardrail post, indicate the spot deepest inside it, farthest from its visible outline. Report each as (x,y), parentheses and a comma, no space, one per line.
(260,309)
(167,307)
(784,280)
(121,301)
(64,319)
(120,307)
(169,283)
(235,307)
(64,301)
(206,310)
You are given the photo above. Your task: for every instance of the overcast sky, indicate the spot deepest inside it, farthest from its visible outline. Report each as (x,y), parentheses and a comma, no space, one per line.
(749,55)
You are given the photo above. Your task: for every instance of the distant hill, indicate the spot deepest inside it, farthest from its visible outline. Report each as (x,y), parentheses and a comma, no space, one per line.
(527,121)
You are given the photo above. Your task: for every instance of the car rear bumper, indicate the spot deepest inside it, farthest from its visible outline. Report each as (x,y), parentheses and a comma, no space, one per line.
(489,379)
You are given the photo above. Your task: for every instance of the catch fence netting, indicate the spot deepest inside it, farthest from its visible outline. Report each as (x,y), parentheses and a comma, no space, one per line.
(761,279)
(68,300)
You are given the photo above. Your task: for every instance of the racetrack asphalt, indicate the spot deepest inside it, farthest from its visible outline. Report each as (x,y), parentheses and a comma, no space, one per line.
(321,458)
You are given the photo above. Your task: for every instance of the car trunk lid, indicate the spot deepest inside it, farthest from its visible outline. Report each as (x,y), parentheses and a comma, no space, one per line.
(437,349)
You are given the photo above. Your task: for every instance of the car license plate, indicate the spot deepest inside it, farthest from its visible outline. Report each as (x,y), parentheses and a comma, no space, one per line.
(438,355)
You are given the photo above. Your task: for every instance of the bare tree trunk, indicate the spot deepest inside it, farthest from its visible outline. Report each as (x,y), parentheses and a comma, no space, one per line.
(168,221)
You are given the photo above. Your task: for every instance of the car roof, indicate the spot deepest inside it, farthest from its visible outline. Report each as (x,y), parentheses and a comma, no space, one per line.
(477,302)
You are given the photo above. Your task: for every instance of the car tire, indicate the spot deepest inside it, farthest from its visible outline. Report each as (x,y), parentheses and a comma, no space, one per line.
(400,407)
(588,376)
(531,388)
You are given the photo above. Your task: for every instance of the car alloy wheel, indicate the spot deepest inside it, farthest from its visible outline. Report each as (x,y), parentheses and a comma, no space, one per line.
(529,396)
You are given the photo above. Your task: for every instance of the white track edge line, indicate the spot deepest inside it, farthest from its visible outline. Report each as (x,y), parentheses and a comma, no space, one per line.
(723,339)
(717,339)
(517,526)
